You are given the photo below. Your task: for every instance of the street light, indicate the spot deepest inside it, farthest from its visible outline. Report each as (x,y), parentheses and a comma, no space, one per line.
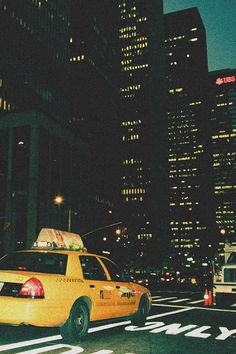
(58,200)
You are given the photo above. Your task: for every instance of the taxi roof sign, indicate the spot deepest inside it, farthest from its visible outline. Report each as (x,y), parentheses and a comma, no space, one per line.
(61,239)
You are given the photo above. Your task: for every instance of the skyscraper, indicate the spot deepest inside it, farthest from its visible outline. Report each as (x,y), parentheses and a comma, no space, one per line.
(94,86)
(34,37)
(191,210)
(142,123)
(39,156)
(223,143)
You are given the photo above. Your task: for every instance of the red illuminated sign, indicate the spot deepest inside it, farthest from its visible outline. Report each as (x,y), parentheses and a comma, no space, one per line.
(225,80)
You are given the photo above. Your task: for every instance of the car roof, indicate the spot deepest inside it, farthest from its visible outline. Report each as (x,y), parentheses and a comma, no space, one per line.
(58,251)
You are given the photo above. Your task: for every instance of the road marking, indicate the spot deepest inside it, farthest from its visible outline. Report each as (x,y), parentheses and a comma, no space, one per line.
(156,297)
(108,326)
(180,300)
(196,308)
(104,351)
(73,349)
(199,332)
(233,304)
(165,299)
(196,301)
(170,312)
(177,328)
(29,342)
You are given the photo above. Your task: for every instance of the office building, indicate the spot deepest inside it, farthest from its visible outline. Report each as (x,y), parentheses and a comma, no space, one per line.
(56,67)
(34,59)
(142,127)
(190,203)
(94,88)
(222,88)
(39,160)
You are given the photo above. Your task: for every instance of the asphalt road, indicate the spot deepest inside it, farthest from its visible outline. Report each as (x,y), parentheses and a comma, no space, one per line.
(179,323)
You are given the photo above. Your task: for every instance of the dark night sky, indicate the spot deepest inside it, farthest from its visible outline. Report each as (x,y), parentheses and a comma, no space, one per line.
(219,18)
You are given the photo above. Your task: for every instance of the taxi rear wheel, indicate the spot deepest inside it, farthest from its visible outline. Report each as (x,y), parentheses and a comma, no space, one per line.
(76,327)
(139,318)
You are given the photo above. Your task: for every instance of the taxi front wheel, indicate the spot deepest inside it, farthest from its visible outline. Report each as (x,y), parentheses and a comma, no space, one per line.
(139,318)
(76,327)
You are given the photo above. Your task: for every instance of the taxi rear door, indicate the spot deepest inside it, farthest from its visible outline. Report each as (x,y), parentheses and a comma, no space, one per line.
(101,291)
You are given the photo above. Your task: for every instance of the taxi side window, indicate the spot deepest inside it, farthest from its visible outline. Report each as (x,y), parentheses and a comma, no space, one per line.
(91,268)
(113,270)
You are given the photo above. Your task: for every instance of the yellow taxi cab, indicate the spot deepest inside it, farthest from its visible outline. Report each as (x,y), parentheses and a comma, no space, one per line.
(59,284)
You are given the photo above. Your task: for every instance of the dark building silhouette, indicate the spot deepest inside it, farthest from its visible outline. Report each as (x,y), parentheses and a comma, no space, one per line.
(39,160)
(143,128)
(94,87)
(190,184)
(43,83)
(34,37)
(222,88)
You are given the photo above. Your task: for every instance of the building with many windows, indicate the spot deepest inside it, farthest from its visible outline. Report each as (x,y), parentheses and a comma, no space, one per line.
(191,209)
(57,62)
(223,143)
(142,125)
(34,40)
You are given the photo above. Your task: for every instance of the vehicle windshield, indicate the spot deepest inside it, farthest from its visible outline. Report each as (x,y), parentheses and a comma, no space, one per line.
(37,262)
(232,258)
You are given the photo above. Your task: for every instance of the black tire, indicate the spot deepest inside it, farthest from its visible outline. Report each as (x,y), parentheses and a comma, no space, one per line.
(76,327)
(140,317)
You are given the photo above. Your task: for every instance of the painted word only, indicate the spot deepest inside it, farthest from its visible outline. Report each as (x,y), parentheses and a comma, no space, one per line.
(177,328)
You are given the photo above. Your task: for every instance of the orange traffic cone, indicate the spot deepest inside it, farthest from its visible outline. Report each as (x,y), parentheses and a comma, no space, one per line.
(210,299)
(206,298)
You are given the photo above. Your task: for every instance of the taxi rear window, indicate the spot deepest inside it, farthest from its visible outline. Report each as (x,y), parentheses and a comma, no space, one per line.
(37,262)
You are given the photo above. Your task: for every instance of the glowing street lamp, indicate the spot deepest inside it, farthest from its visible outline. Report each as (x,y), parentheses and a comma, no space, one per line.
(58,200)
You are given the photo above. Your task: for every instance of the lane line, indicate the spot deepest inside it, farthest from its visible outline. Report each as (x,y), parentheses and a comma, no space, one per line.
(29,342)
(196,301)
(165,299)
(103,351)
(72,349)
(180,300)
(156,297)
(170,312)
(196,308)
(108,326)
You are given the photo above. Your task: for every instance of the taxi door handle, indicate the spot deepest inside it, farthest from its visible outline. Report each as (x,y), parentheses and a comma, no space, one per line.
(117,287)
(92,286)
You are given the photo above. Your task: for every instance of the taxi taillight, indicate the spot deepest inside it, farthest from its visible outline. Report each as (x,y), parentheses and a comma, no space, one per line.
(32,288)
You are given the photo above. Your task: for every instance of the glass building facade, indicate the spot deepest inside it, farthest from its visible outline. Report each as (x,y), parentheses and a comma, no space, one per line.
(189,137)
(143,123)
(223,142)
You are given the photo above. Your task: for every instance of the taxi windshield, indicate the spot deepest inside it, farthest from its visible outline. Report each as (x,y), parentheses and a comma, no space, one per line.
(38,262)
